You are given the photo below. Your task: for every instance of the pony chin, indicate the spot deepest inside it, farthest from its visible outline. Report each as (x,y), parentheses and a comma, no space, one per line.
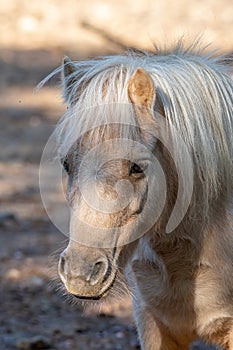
(116,292)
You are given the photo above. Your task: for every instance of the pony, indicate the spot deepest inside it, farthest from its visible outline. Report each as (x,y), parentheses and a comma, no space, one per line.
(146,142)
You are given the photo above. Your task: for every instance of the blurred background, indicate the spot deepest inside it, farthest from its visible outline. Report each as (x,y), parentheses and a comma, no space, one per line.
(34,37)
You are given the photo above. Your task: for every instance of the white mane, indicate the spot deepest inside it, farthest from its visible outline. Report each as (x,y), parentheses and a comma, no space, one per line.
(196,91)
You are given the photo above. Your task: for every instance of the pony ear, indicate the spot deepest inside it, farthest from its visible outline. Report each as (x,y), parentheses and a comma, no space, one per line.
(68,77)
(141,89)
(68,67)
(141,92)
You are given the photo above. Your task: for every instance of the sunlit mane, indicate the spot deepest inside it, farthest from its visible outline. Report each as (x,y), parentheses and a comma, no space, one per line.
(196,92)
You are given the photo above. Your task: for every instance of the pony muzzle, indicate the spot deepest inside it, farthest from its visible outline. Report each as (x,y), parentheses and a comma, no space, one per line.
(84,275)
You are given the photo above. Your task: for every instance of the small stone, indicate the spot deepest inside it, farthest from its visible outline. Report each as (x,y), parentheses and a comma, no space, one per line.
(34,343)
(18,255)
(35,281)
(56,331)
(7,219)
(68,344)
(13,274)
(119,335)
(7,215)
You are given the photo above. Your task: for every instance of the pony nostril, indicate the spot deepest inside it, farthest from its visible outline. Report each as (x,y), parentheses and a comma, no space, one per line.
(62,266)
(61,269)
(97,267)
(98,271)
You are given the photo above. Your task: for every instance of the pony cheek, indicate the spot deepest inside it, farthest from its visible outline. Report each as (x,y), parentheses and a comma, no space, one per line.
(137,203)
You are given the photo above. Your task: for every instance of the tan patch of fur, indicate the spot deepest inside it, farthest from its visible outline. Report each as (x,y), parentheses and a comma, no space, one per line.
(220,332)
(141,89)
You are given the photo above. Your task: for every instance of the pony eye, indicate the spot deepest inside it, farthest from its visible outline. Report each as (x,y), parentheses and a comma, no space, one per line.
(135,169)
(66,165)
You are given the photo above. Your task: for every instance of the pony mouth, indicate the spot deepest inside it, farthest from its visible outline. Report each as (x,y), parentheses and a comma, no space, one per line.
(96,297)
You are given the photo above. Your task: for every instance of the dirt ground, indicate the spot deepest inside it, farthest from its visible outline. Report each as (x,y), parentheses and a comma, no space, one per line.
(34,38)
(33,314)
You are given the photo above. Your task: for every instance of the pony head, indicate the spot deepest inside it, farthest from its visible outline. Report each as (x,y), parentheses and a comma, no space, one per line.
(147,145)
